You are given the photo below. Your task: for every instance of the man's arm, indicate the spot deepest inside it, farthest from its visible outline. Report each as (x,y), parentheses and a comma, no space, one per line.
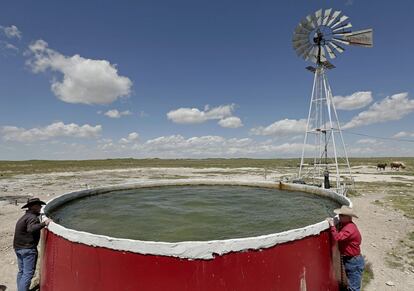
(341,235)
(33,224)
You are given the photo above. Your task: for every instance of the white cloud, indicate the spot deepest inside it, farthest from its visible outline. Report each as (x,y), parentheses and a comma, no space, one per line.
(11,31)
(390,108)
(231,122)
(403,134)
(132,137)
(8,46)
(366,150)
(382,149)
(219,112)
(114,113)
(179,143)
(142,114)
(194,115)
(354,101)
(11,47)
(367,141)
(282,127)
(57,129)
(84,80)
(177,146)
(107,147)
(105,140)
(187,116)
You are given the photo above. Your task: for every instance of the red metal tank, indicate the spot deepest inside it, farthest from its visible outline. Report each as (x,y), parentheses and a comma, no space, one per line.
(298,259)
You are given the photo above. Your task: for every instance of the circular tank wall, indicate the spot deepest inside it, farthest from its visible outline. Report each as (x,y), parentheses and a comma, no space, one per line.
(298,259)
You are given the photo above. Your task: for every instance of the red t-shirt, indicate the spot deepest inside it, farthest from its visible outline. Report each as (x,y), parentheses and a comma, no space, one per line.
(348,238)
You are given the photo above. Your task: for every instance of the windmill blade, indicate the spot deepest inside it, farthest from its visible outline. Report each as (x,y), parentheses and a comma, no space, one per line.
(330,52)
(298,46)
(313,58)
(336,47)
(302,50)
(360,38)
(306,24)
(296,40)
(340,40)
(309,18)
(333,17)
(326,17)
(345,26)
(318,15)
(308,54)
(340,20)
(323,56)
(314,20)
(299,42)
(300,36)
(300,30)
(312,55)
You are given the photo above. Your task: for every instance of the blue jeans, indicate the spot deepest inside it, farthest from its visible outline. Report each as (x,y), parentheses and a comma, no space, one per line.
(353,268)
(26,260)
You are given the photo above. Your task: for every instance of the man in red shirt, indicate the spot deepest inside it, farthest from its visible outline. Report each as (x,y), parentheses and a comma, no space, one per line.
(349,241)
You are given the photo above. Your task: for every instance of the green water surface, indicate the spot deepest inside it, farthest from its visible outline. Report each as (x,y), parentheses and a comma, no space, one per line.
(193,213)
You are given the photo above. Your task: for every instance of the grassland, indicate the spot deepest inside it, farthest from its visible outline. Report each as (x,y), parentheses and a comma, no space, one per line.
(11,168)
(368,274)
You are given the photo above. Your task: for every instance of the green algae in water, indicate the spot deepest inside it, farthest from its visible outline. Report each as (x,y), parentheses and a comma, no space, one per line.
(193,213)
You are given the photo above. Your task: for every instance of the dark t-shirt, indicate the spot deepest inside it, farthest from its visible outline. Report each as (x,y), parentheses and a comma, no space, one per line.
(27,232)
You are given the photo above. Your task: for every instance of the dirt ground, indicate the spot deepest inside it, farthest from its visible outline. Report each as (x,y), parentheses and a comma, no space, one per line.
(383,228)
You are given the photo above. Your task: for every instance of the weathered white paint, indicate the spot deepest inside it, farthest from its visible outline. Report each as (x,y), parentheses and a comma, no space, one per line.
(303,280)
(190,249)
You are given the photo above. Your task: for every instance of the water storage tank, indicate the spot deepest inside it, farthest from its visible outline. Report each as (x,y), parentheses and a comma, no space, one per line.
(303,258)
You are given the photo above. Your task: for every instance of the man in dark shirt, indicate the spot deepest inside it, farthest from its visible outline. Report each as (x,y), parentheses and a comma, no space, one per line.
(349,241)
(26,239)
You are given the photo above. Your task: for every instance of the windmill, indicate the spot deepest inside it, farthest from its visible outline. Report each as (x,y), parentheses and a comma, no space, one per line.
(317,37)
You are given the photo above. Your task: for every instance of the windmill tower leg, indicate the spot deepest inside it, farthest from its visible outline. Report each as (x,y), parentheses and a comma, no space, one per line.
(308,124)
(329,103)
(338,126)
(314,129)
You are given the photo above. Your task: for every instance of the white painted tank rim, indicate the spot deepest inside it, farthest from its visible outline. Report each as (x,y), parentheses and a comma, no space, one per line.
(190,249)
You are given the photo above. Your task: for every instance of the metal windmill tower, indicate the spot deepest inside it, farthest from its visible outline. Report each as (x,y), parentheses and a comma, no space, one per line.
(317,37)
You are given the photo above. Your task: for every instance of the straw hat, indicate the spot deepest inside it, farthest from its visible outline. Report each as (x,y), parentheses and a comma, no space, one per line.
(346,210)
(32,201)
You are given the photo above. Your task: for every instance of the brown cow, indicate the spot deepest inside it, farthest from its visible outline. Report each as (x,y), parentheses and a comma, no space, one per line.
(397,165)
(381,166)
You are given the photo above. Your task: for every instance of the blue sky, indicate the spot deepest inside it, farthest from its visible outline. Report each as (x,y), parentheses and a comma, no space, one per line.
(192,79)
